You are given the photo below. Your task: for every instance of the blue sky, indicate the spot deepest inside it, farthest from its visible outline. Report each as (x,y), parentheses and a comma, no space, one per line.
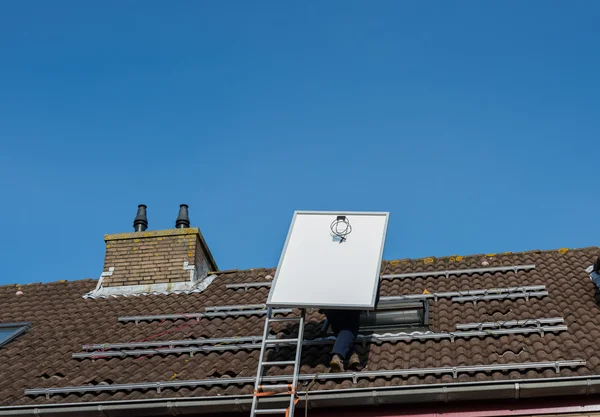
(475,124)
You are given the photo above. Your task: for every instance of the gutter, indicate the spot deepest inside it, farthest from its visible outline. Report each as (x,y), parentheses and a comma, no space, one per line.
(444,393)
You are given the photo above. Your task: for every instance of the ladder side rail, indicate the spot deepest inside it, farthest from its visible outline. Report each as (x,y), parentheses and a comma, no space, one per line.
(259,372)
(297,364)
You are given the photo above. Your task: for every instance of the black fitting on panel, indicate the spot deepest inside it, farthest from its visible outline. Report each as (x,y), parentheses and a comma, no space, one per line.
(183,220)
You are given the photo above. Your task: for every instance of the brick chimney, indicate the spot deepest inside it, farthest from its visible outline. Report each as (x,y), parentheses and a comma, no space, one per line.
(161,261)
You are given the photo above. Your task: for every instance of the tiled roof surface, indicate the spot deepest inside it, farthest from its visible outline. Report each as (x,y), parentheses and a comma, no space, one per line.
(62,321)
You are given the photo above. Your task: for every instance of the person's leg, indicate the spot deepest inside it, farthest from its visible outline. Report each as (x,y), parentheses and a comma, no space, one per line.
(333,319)
(348,331)
(343,343)
(337,360)
(595,276)
(354,325)
(354,322)
(597,295)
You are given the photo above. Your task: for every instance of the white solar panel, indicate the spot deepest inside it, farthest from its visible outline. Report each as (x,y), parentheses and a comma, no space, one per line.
(321,269)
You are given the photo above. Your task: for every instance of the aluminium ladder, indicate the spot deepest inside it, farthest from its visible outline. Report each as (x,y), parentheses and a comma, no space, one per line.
(262,390)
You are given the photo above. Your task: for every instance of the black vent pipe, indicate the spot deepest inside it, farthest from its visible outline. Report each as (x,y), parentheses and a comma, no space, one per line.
(183,220)
(140,223)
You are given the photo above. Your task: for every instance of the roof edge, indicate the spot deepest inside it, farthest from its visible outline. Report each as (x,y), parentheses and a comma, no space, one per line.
(431,259)
(213,264)
(374,396)
(152,233)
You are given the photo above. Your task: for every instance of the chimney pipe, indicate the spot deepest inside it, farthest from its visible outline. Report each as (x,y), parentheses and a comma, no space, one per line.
(140,223)
(183,220)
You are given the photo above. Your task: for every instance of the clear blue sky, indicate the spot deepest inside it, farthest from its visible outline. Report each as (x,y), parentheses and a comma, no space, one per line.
(475,124)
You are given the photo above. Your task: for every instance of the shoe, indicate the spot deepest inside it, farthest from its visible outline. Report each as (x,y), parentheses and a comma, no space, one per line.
(354,361)
(337,364)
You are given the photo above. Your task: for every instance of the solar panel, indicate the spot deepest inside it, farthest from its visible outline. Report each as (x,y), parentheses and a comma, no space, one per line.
(330,260)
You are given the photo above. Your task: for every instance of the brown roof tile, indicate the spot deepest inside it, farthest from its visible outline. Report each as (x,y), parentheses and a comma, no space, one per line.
(62,321)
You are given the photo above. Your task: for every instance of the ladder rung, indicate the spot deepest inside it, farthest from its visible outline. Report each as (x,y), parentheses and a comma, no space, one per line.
(278,341)
(266,388)
(286,319)
(278,363)
(271,411)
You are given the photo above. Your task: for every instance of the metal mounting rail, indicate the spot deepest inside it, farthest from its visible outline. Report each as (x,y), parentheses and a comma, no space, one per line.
(516,268)
(198,316)
(161,351)
(434,295)
(470,333)
(459,271)
(246,285)
(449,294)
(510,323)
(170,343)
(413,297)
(475,298)
(452,370)
(236,307)
(237,343)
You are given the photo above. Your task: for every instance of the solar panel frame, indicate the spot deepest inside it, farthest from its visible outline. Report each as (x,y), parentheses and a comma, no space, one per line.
(369,234)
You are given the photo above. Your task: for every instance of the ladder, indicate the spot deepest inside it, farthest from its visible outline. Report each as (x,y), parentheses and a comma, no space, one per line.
(262,390)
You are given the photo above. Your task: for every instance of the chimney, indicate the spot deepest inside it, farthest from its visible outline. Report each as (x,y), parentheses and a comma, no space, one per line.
(183,220)
(140,223)
(156,261)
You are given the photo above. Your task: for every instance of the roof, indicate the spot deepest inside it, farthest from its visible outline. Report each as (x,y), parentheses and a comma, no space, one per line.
(62,321)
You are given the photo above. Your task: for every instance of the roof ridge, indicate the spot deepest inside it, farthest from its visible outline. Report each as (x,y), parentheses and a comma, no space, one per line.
(426,259)
(433,259)
(445,257)
(59,282)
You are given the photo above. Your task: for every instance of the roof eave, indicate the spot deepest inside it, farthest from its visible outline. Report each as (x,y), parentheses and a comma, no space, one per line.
(500,390)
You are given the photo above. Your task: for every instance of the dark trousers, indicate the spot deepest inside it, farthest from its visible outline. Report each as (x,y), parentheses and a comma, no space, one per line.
(345,324)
